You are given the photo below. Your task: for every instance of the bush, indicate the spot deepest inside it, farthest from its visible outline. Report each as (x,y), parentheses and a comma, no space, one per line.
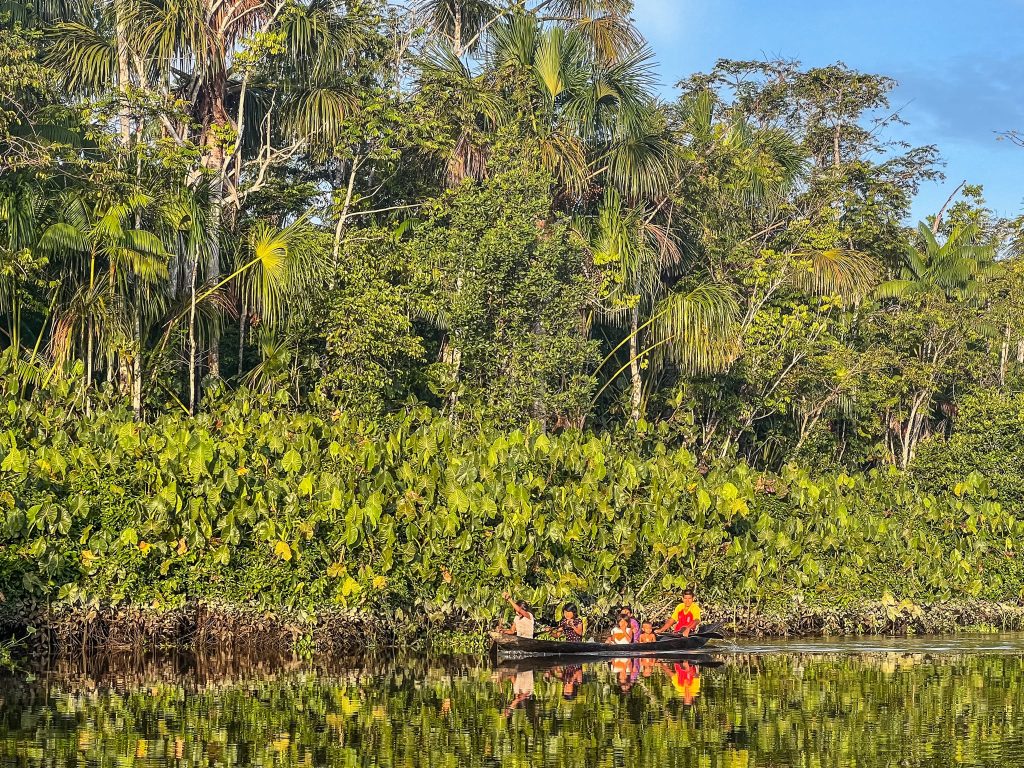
(988,438)
(253,505)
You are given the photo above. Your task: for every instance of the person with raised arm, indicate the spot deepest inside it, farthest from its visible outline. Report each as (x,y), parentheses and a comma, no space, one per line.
(522,624)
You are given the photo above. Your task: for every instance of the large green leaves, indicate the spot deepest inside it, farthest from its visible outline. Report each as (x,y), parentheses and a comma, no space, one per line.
(285,509)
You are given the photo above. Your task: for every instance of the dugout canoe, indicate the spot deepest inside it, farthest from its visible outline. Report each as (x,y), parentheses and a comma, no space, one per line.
(512,647)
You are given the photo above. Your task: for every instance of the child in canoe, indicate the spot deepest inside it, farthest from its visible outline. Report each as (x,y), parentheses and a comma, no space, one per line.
(571,626)
(633,623)
(522,624)
(621,634)
(647,633)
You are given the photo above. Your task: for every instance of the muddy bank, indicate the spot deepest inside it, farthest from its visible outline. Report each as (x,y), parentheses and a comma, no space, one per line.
(880,618)
(202,626)
(196,626)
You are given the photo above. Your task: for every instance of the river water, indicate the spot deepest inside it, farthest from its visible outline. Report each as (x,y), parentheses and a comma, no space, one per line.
(847,703)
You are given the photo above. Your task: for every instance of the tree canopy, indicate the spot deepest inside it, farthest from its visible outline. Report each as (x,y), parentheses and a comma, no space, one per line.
(484,207)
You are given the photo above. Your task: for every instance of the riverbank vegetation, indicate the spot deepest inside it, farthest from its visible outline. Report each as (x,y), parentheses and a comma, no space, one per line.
(423,522)
(340,306)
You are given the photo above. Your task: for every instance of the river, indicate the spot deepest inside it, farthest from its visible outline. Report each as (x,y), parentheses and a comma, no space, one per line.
(866,703)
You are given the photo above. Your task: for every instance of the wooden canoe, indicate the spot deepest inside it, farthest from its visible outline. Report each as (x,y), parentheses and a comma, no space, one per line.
(512,647)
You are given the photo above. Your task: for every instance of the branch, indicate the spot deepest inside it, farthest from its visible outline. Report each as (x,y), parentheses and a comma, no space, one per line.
(938,217)
(1014,137)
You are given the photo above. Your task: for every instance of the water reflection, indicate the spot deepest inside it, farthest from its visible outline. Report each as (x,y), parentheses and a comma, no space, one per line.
(909,706)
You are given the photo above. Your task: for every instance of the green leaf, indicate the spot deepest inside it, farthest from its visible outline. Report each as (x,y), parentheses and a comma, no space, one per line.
(292,461)
(14,461)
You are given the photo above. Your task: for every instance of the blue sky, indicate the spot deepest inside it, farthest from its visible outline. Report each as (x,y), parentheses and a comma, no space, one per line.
(960,66)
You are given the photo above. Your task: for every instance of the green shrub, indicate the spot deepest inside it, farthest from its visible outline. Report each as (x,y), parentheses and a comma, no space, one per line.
(988,437)
(252,504)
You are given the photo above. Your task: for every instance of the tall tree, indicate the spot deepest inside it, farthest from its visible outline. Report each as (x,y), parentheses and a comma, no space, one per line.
(693,328)
(942,284)
(242,87)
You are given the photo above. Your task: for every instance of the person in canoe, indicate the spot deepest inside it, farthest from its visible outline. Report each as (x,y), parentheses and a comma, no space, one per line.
(647,633)
(570,628)
(622,633)
(522,624)
(685,618)
(634,625)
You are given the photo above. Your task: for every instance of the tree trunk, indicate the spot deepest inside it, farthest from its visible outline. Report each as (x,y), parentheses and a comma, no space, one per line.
(636,380)
(123,117)
(215,161)
(213,270)
(909,442)
(340,228)
(88,363)
(137,365)
(1004,355)
(457,32)
(243,320)
(192,340)
(451,355)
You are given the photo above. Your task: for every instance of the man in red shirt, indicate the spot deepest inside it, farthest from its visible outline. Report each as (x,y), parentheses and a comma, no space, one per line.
(685,617)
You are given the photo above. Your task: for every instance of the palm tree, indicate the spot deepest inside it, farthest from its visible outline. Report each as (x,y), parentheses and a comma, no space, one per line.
(108,267)
(956,270)
(278,272)
(21,211)
(695,329)
(186,227)
(465,25)
(200,53)
(594,122)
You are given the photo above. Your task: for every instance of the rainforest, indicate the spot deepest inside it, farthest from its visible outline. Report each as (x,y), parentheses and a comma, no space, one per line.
(337,318)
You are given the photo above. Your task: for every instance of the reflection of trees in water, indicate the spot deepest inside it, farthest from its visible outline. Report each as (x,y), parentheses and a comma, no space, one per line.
(873,709)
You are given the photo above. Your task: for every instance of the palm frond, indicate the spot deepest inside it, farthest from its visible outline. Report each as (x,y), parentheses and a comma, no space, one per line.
(641,166)
(317,114)
(610,36)
(565,156)
(582,9)
(839,272)
(459,21)
(698,330)
(62,236)
(514,43)
(896,289)
(321,36)
(85,56)
(280,265)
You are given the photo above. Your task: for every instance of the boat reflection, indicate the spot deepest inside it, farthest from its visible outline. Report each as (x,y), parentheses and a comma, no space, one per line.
(572,674)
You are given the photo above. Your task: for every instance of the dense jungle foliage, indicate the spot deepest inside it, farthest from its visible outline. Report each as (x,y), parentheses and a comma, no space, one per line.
(338,302)
(417,518)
